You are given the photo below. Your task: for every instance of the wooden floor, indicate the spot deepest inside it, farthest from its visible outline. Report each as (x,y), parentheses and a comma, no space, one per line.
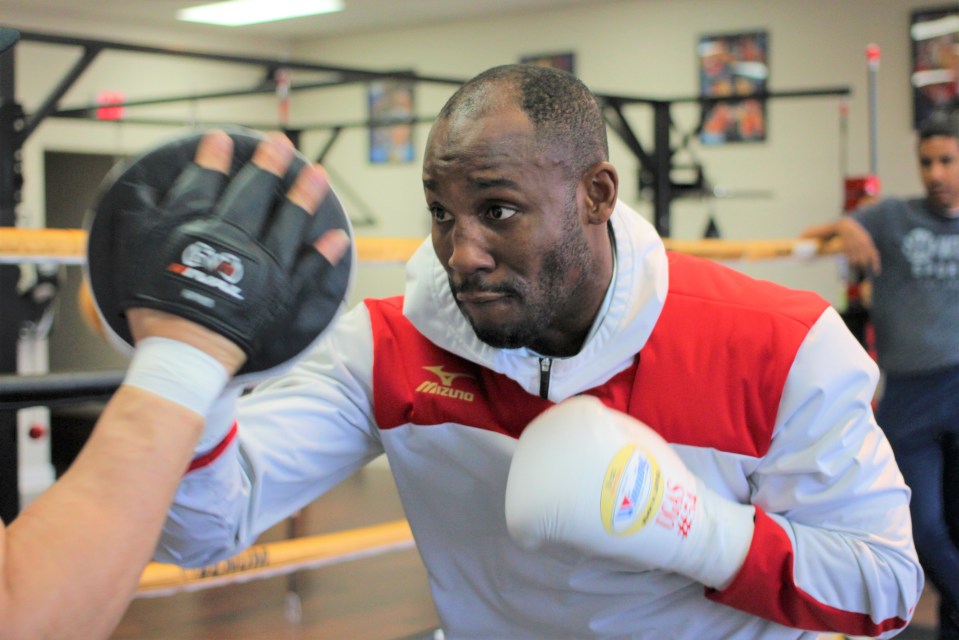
(384,597)
(923,625)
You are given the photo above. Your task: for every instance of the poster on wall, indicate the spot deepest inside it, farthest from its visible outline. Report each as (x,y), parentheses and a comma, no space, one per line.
(934,34)
(564,61)
(732,65)
(391,127)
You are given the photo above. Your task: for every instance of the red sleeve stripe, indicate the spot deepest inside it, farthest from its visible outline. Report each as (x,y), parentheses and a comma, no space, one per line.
(766,587)
(207,458)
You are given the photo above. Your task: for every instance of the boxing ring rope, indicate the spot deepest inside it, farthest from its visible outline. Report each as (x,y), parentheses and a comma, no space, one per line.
(278,558)
(68,246)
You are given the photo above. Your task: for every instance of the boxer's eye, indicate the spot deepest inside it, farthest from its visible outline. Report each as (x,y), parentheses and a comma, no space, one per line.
(499,212)
(439,214)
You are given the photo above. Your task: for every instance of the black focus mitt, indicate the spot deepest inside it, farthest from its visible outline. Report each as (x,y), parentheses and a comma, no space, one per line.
(229,252)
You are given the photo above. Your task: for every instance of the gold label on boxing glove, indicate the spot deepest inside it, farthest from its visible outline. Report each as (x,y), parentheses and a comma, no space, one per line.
(632,491)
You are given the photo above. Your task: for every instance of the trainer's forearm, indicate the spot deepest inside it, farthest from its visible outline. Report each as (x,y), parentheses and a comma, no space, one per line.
(71,560)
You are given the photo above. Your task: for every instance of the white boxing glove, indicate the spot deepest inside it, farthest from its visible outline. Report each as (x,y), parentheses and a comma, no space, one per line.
(600,481)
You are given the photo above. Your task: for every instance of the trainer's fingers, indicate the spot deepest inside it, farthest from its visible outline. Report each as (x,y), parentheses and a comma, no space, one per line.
(215,151)
(285,233)
(199,185)
(309,188)
(333,245)
(308,192)
(250,197)
(274,154)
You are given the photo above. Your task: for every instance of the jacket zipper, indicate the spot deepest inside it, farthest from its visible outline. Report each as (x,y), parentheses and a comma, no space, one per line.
(544,367)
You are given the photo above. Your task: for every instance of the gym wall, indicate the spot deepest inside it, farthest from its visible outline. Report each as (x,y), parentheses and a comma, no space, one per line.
(630,47)
(647,48)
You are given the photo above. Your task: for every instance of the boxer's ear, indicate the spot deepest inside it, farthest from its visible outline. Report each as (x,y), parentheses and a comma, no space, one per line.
(601,185)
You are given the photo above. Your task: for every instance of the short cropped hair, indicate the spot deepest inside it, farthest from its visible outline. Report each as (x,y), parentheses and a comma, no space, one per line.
(942,122)
(561,108)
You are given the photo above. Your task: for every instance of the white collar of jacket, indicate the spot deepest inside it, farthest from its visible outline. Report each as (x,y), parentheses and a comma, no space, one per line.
(639,291)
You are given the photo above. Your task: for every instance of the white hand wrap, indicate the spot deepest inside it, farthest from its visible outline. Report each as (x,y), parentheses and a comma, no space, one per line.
(604,483)
(178,372)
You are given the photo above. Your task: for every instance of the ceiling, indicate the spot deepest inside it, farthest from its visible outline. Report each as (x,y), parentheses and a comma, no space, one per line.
(358,16)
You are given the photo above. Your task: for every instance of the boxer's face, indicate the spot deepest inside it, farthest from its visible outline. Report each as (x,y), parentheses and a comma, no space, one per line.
(507,227)
(939,169)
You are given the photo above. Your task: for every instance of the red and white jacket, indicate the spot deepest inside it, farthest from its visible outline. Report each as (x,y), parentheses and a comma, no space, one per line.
(761,390)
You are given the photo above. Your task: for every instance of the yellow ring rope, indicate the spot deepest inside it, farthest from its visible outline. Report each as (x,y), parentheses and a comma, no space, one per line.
(69,246)
(278,558)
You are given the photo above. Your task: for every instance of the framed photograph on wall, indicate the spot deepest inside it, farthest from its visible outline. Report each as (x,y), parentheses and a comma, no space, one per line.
(732,65)
(564,61)
(391,126)
(934,36)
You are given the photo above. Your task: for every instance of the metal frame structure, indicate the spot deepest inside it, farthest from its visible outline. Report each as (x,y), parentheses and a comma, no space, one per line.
(657,162)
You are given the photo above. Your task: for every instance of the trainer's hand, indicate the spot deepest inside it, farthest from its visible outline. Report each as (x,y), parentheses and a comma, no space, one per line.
(230,242)
(215,153)
(858,246)
(594,479)
(856,243)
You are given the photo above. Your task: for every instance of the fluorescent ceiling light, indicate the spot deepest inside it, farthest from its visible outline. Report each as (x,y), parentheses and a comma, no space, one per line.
(236,13)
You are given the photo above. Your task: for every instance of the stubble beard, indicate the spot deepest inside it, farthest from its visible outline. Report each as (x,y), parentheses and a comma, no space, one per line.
(546,299)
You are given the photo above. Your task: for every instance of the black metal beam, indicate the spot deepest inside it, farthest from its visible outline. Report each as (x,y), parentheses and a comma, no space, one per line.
(57,389)
(92,47)
(11,121)
(269,63)
(50,104)
(8,38)
(261,89)
(334,136)
(759,95)
(318,126)
(662,168)
(616,120)
(656,163)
